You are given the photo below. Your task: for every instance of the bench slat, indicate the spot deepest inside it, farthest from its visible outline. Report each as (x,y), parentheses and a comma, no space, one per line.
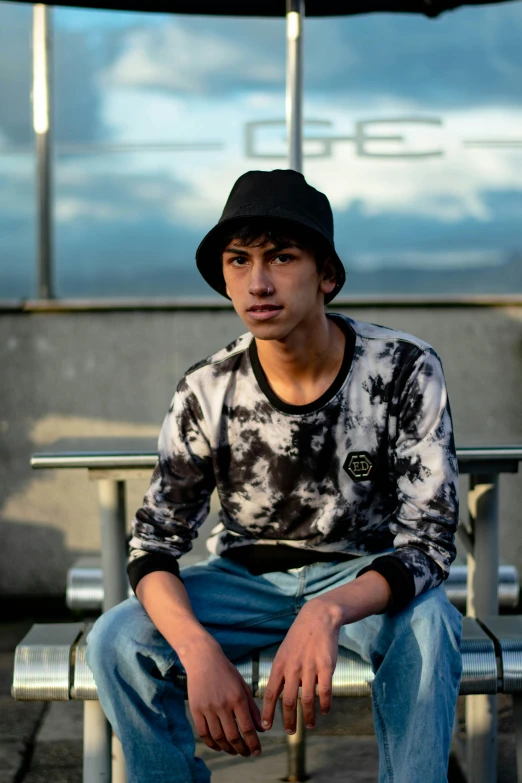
(42,666)
(507,632)
(85,585)
(46,657)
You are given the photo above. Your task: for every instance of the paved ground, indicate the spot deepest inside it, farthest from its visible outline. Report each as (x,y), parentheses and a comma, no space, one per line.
(41,743)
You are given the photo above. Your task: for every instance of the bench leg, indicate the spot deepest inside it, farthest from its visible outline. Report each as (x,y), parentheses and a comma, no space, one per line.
(483,562)
(118,762)
(481,738)
(517,710)
(296,750)
(96,744)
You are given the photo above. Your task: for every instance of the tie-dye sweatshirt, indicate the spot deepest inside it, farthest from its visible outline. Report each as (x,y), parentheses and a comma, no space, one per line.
(369,467)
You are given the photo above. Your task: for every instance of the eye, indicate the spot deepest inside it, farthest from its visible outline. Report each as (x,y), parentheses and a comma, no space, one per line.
(238,261)
(283,258)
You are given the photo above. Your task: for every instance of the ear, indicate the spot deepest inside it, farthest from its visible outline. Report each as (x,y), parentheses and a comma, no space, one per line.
(328,276)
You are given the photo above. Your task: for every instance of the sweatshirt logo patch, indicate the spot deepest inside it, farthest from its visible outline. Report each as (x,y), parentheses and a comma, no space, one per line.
(359,465)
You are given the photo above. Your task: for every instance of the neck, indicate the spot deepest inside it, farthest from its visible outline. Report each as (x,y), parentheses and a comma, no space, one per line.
(306,355)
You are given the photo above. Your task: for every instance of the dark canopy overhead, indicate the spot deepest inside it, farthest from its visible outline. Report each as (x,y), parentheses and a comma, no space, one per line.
(278,7)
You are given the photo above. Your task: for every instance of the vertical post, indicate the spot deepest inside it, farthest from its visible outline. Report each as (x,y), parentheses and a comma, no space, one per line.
(296,747)
(481,710)
(295,11)
(42,128)
(112,523)
(96,744)
(111,496)
(118,762)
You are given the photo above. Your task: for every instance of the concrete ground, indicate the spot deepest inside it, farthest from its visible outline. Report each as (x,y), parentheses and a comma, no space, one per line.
(42,743)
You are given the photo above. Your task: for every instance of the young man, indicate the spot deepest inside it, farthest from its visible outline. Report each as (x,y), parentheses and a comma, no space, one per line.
(330,444)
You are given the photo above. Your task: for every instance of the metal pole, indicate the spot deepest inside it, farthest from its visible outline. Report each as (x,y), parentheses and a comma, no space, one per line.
(296,749)
(112,523)
(42,127)
(295,11)
(481,710)
(96,744)
(111,496)
(118,762)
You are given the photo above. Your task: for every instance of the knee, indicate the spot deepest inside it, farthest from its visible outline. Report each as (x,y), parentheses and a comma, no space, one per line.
(109,638)
(431,617)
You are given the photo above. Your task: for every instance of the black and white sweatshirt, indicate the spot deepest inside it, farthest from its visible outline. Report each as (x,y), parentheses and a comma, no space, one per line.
(369,466)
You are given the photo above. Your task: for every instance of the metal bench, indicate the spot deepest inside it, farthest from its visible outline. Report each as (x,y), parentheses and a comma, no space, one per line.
(50,665)
(84,592)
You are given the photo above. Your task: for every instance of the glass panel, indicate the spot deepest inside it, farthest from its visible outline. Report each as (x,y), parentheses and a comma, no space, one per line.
(17,158)
(415,134)
(152,122)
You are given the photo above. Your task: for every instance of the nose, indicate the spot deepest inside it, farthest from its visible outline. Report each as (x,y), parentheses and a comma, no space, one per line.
(260,283)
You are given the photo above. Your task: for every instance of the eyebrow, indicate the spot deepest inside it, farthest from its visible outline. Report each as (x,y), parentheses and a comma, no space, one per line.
(238,252)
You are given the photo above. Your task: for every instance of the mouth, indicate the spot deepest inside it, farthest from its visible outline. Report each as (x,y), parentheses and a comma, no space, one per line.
(264,311)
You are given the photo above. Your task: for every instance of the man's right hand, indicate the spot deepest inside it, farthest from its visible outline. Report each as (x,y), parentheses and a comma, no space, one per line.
(223,708)
(224,711)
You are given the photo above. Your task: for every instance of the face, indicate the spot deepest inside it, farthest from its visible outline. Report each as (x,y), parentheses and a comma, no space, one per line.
(273,289)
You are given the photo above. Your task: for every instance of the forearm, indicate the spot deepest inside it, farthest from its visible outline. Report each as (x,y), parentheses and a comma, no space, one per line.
(368,594)
(166,601)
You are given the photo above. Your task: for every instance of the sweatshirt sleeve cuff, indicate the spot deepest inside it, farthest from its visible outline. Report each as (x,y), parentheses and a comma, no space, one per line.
(398,576)
(147,564)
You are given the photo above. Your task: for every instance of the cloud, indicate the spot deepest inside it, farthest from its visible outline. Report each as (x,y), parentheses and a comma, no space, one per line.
(197,59)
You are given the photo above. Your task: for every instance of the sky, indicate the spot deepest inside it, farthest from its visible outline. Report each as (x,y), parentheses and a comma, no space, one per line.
(438,213)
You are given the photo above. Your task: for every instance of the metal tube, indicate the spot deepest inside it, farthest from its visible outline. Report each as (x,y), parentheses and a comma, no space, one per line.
(481,710)
(96,744)
(112,523)
(118,762)
(296,749)
(295,11)
(42,124)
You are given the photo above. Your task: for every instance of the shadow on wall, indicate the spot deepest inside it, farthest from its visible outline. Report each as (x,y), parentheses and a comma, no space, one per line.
(27,546)
(77,375)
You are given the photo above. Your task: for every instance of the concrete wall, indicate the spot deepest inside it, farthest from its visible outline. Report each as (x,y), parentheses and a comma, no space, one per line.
(113,373)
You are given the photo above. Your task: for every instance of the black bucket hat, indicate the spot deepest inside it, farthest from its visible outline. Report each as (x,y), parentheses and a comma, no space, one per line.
(283,194)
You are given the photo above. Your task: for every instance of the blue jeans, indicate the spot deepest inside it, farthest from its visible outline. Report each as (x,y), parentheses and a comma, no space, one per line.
(414,652)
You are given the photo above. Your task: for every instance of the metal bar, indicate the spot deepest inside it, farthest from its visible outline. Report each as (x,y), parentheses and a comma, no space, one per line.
(112,523)
(116,459)
(96,744)
(295,11)
(42,123)
(118,762)
(481,710)
(484,502)
(115,585)
(296,748)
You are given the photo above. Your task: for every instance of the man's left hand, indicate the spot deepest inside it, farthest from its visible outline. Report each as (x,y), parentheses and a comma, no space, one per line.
(306,658)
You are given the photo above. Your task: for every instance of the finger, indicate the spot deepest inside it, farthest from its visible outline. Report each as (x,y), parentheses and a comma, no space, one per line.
(290,694)
(308,700)
(272,691)
(254,709)
(247,727)
(204,732)
(218,734)
(232,733)
(324,690)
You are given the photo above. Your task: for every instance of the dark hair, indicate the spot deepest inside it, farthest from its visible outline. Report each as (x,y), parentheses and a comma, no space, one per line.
(257,231)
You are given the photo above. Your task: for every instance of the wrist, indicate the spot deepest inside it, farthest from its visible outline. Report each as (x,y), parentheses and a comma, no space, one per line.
(195,646)
(326,607)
